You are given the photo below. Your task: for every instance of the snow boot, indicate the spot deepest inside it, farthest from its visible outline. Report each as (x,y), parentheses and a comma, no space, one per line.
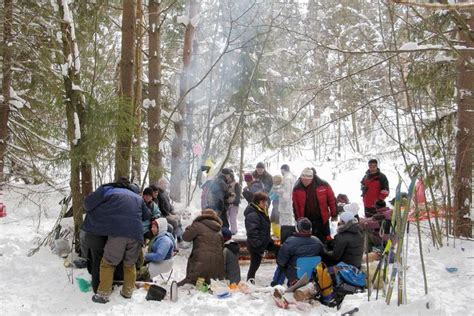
(129,278)
(106,278)
(101,299)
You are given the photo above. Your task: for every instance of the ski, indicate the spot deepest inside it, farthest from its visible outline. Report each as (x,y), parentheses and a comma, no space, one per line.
(401,223)
(300,283)
(402,259)
(395,224)
(350,312)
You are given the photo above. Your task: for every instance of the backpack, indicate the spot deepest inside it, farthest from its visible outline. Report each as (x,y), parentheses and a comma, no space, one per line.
(334,283)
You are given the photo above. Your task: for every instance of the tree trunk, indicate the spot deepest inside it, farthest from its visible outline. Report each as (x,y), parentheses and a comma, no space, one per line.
(354,131)
(125,117)
(177,146)
(464,133)
(155,167)
(137,96)
(74,114)
(6,84)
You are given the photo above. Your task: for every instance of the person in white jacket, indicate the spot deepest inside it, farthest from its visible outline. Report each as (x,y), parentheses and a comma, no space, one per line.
(287,219)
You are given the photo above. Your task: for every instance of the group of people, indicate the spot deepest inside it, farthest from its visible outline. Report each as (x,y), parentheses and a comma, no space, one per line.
(302,210)
(119,221)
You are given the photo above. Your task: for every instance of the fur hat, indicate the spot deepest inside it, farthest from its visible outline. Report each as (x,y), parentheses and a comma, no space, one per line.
(307,173)
(148,191)
(352,208)
(260,165)
(346,217)
(303,225)
(226,233)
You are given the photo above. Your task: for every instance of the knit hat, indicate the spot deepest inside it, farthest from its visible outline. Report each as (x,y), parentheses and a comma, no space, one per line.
(352,208)
(261,165)
(346,217)
(226,233)
(303,225)
(307,173)
(285,167)
(148,191)
(248,177)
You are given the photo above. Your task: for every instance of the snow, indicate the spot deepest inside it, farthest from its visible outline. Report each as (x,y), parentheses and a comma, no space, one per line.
(15,100)
(183,19)
(222,117)
(67,14)
(195,20)
(443,58)
(77,129)
(76,87)
(64,68)
(39,284)
(147,103)
(409,46)
(273,72)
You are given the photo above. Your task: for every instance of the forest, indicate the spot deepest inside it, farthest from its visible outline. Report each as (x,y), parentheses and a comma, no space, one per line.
(96,90)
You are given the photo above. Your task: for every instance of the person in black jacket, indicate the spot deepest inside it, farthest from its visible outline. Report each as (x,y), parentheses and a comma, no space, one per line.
(261,174)
(257,224)
(348,244)
(300,244)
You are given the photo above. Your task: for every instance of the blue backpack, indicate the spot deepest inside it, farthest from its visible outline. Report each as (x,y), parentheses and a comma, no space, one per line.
(349,274)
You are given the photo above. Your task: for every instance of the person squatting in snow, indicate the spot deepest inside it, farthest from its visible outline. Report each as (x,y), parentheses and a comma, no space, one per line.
(207,259)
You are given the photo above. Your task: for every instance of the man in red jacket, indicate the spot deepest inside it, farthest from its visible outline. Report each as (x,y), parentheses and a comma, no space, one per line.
(374,186)
(314,198)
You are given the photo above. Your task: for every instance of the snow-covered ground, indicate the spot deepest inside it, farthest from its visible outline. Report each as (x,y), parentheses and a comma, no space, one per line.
(40,285)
